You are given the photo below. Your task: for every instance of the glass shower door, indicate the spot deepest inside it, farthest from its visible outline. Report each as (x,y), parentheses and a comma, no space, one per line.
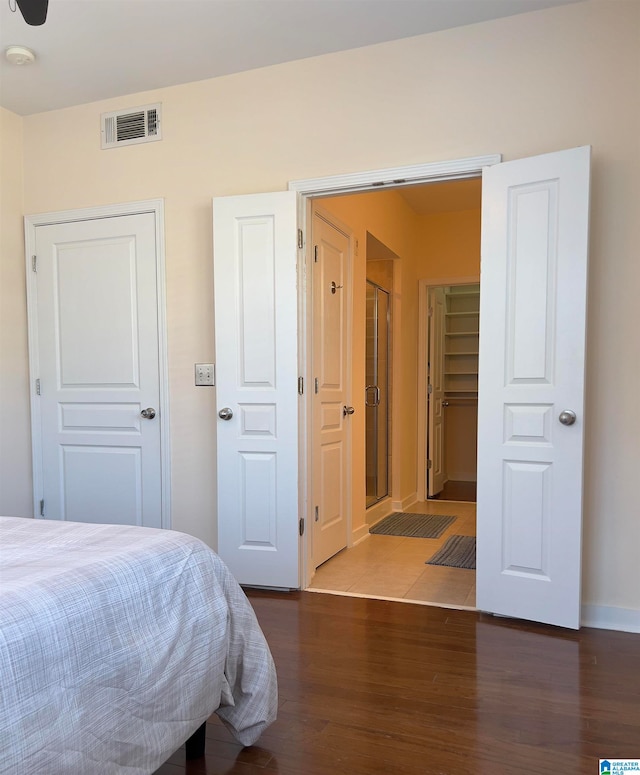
(377,393)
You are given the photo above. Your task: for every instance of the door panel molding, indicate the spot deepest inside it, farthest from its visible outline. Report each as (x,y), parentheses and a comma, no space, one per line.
(31,222)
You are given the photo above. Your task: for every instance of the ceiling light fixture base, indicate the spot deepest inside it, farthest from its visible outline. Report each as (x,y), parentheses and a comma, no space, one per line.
(19,55)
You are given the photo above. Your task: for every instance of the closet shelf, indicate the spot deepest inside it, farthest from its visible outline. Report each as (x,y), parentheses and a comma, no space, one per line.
(462,333)
(461,373)
(462,314)
(467,353)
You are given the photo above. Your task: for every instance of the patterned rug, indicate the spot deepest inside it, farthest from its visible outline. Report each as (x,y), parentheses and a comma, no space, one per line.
(456,552)
(404,523)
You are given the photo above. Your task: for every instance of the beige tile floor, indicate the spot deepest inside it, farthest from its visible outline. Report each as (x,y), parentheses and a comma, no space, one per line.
(394,566)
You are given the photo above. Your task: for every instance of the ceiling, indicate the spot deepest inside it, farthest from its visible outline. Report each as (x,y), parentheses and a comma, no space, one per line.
(444,197)
(90,50)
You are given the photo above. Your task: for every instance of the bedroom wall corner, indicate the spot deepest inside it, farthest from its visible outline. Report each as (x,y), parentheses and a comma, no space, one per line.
(15,439)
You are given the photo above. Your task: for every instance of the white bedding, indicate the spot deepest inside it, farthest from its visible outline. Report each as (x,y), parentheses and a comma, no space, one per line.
(116,644)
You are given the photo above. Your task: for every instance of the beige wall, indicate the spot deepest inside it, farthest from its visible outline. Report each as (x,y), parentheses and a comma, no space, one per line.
(15,445)
(453,241)
(518,86)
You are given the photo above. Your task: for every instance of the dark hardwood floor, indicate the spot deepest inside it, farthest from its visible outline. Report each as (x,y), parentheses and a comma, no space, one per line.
(457,491)
(369,687)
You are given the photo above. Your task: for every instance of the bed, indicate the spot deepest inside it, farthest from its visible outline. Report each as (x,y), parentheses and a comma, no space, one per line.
(116,644)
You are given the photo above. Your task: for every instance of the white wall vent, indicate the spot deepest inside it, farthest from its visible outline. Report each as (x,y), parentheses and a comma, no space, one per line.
(135,125)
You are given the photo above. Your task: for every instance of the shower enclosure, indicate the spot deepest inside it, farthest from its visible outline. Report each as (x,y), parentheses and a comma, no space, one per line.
(377,393)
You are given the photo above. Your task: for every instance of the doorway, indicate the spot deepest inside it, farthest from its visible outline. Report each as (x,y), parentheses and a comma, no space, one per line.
(451,369)
(407,235)
(534,239)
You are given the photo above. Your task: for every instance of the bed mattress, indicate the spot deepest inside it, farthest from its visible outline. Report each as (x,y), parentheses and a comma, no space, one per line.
(116,644)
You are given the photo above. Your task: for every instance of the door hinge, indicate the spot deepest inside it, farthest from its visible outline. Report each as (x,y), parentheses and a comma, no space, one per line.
(300,239)
(34,263)
(301,526)
(37,387)
(430,311)
(429,465)
(315,384)
(300,386)
(315,254)
(316,515)
(42,508)
(429,389)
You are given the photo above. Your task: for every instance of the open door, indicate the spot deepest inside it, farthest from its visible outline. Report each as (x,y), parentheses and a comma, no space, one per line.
(256,332)
(531,390)
(331,413)
(436,475)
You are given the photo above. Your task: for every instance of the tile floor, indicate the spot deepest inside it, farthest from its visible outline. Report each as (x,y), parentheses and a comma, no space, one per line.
(394,566)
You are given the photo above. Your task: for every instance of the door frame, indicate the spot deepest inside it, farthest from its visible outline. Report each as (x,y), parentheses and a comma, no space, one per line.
(31,222)
(315,188)
(423,350)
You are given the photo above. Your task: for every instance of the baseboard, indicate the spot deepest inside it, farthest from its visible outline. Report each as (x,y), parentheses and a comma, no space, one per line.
(359,534)
(404,504)
(379,511)
(606,617)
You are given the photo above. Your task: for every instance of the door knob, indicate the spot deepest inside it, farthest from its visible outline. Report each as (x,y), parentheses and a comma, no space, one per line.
(347,410)
(226,413)
(148,413)
(568,417)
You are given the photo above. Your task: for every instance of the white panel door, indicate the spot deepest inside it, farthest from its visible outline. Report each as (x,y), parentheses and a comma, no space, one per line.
(256,332)
(532,342)
(436,475)
(97,340)
(331,412)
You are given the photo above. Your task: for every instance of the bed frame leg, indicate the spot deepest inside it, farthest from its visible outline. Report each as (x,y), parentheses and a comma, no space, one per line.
(195,744)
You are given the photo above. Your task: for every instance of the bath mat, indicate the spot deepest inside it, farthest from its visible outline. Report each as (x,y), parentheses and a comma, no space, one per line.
(456,552)
(404,523)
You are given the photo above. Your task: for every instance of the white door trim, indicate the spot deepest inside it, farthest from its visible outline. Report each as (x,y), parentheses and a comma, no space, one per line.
(393,177)
(328,186)
(423,290)
(155,206)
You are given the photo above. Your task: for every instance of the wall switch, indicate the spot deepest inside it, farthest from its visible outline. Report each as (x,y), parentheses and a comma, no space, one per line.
(205,374)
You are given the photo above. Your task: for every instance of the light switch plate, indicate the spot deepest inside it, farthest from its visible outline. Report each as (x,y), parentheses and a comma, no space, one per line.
(205,374)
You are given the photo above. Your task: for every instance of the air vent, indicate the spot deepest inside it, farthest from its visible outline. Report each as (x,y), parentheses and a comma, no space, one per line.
(136,125)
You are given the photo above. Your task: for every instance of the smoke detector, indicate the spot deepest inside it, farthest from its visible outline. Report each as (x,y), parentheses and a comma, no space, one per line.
(20,55)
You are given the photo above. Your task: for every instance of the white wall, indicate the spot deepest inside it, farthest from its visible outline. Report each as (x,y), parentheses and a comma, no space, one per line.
(518,86)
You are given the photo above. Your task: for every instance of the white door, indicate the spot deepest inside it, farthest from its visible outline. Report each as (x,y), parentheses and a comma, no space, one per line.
(256,333)
(331,409)
(98,368)
(436,476)
(530,413)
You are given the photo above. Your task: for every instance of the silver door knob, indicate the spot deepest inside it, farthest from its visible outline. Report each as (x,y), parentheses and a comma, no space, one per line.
(148,413)
(568,417)
(347,410)
(226,413)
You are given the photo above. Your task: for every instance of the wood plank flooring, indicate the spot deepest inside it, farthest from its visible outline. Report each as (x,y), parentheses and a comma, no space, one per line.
(457,491)
(371,687)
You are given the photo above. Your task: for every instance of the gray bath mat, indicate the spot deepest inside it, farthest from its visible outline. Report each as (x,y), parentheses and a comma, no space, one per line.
(413,525)
(456,552)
